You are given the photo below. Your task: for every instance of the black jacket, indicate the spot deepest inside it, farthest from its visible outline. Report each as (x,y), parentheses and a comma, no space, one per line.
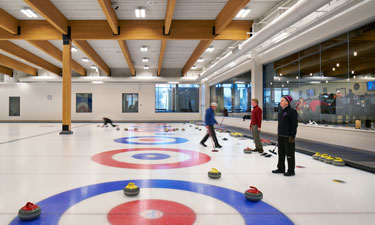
(288,122)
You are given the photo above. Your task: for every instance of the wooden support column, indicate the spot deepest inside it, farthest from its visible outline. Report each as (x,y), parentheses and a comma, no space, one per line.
(67,85)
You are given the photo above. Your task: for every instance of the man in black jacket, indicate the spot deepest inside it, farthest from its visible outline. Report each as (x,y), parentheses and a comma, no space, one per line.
(286,134)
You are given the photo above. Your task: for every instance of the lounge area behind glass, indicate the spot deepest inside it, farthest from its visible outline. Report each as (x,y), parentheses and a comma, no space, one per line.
(331,82)
(233,95)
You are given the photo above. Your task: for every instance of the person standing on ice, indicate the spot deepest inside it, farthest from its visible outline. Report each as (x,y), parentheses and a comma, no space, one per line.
(210,122)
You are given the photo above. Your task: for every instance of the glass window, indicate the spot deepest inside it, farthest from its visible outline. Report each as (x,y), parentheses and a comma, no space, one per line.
(14,106)
(176,98)
(233,95)
(329,82)
(84,102)
(129,103)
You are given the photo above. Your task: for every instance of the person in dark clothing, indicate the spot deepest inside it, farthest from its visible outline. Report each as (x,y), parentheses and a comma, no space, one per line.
(255,124)
(286,134)
(210,122)
(108,121)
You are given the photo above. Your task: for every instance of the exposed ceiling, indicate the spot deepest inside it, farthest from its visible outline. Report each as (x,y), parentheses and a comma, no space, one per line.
(177,52)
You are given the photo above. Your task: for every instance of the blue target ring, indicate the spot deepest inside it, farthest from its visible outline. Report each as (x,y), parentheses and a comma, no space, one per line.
(172,140)
(151,156)
(252,212)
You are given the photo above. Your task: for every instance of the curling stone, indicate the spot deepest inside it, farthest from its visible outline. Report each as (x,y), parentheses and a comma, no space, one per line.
(316,156)
(29,212)
(338,162)
(131,190)
(135,129)
(225,139)
(214,174)
(166,129)
(200,129)
(322,157)
(183,129)
(118,128)
(253,194)
(329,159)
(98,125)
(177,129)
(126,129)
(196,128)
(247,150)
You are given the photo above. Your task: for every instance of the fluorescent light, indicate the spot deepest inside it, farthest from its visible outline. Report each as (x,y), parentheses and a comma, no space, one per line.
(326,81)
(239,82)
(352,71)
(282,85)
(287,81)
(243,12)
(311,74)
(354,77)
(145,67)
(333,69)
(280,36)
(93,67)
(200,60)
(97,82)
(145,60)
(315,82)
(337,64)
(210,49)
(270,83)
(281,74)
(173,82)
(29,13)
(140,13)
(85,60)
(194,67)
(189,78)
(74,49)
(355,53)
(232,64)
(144,49)
(297,77)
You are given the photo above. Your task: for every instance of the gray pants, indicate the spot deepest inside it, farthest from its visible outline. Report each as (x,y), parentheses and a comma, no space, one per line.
(256,137)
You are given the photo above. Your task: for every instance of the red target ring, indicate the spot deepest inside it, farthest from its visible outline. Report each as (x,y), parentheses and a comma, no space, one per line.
(151,211)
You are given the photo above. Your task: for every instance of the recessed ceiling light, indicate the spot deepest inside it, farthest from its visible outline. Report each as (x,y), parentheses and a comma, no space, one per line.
(140,12)
(28,12)
(144,49)
(311,74)
(200,60)
(282,85)
(85,60)
(337,64)
(287,81)
(281,74)
(355,53)
(333,69)
(145,67)
(145,60)
(352,71)
(243,12)
(232,64)
(194,67)
(74,49)
(326,81)
(93,67)
(297,77)
(210,49)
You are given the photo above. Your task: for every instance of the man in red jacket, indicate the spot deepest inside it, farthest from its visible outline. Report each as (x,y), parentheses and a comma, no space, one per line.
(255,124)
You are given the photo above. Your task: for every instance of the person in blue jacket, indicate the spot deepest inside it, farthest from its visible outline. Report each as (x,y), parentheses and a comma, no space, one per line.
(210,122)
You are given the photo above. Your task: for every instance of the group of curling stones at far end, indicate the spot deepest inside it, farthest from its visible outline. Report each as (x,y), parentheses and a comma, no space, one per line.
(337,161)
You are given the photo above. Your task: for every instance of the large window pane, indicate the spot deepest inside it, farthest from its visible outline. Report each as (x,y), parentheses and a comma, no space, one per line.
(129,103)
(14,106)
(84,102)
(176,98)
(328,81)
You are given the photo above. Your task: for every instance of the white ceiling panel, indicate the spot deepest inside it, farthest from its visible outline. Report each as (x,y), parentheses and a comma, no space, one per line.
(152,54)
(77,56)
(178,52)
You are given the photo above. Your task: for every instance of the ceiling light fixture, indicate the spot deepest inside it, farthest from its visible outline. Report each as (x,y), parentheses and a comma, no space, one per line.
(85,60)
(352,71)
(28,12)
(333,69)
(200,60)
(243,12)
(355,53)
(144,49)
(74,49)
(311,74)
(194,67)
(93,67)
(337,64)
(210,49)
(145,60)
(140,12)
(145,67)
(279,37)
(232,64)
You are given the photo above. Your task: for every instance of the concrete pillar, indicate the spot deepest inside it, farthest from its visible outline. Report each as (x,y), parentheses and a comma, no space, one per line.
(257,81)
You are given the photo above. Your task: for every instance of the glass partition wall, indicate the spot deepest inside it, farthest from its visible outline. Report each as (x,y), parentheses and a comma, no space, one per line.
(332,82)
(233,95)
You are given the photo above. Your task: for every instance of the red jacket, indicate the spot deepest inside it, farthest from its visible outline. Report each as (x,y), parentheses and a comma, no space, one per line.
(256,116)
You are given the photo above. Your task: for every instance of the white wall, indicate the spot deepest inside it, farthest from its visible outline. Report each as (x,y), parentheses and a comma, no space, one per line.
(348,137)
(107,101)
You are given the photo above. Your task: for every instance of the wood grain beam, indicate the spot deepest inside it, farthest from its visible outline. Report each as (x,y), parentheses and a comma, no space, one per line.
(8,22)
(14,64)
(50,13)
(67,88)
(169,15)
(125,51)
(161,56)
(16,50)
(110,14)
(5,70)
(130,30)
(227,14)
(198,51)
(56,53)
(91,53)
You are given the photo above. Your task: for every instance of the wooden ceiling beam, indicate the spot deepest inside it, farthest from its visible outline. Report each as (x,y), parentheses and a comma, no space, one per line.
(5,70)
(169,15)
(56,53)
(91,53)
(130,30)
(226,15)
(50,13)
(14,64)
(125,51)
(161,56)
(199,50)
(110,14)
(8,22)
(19,52)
